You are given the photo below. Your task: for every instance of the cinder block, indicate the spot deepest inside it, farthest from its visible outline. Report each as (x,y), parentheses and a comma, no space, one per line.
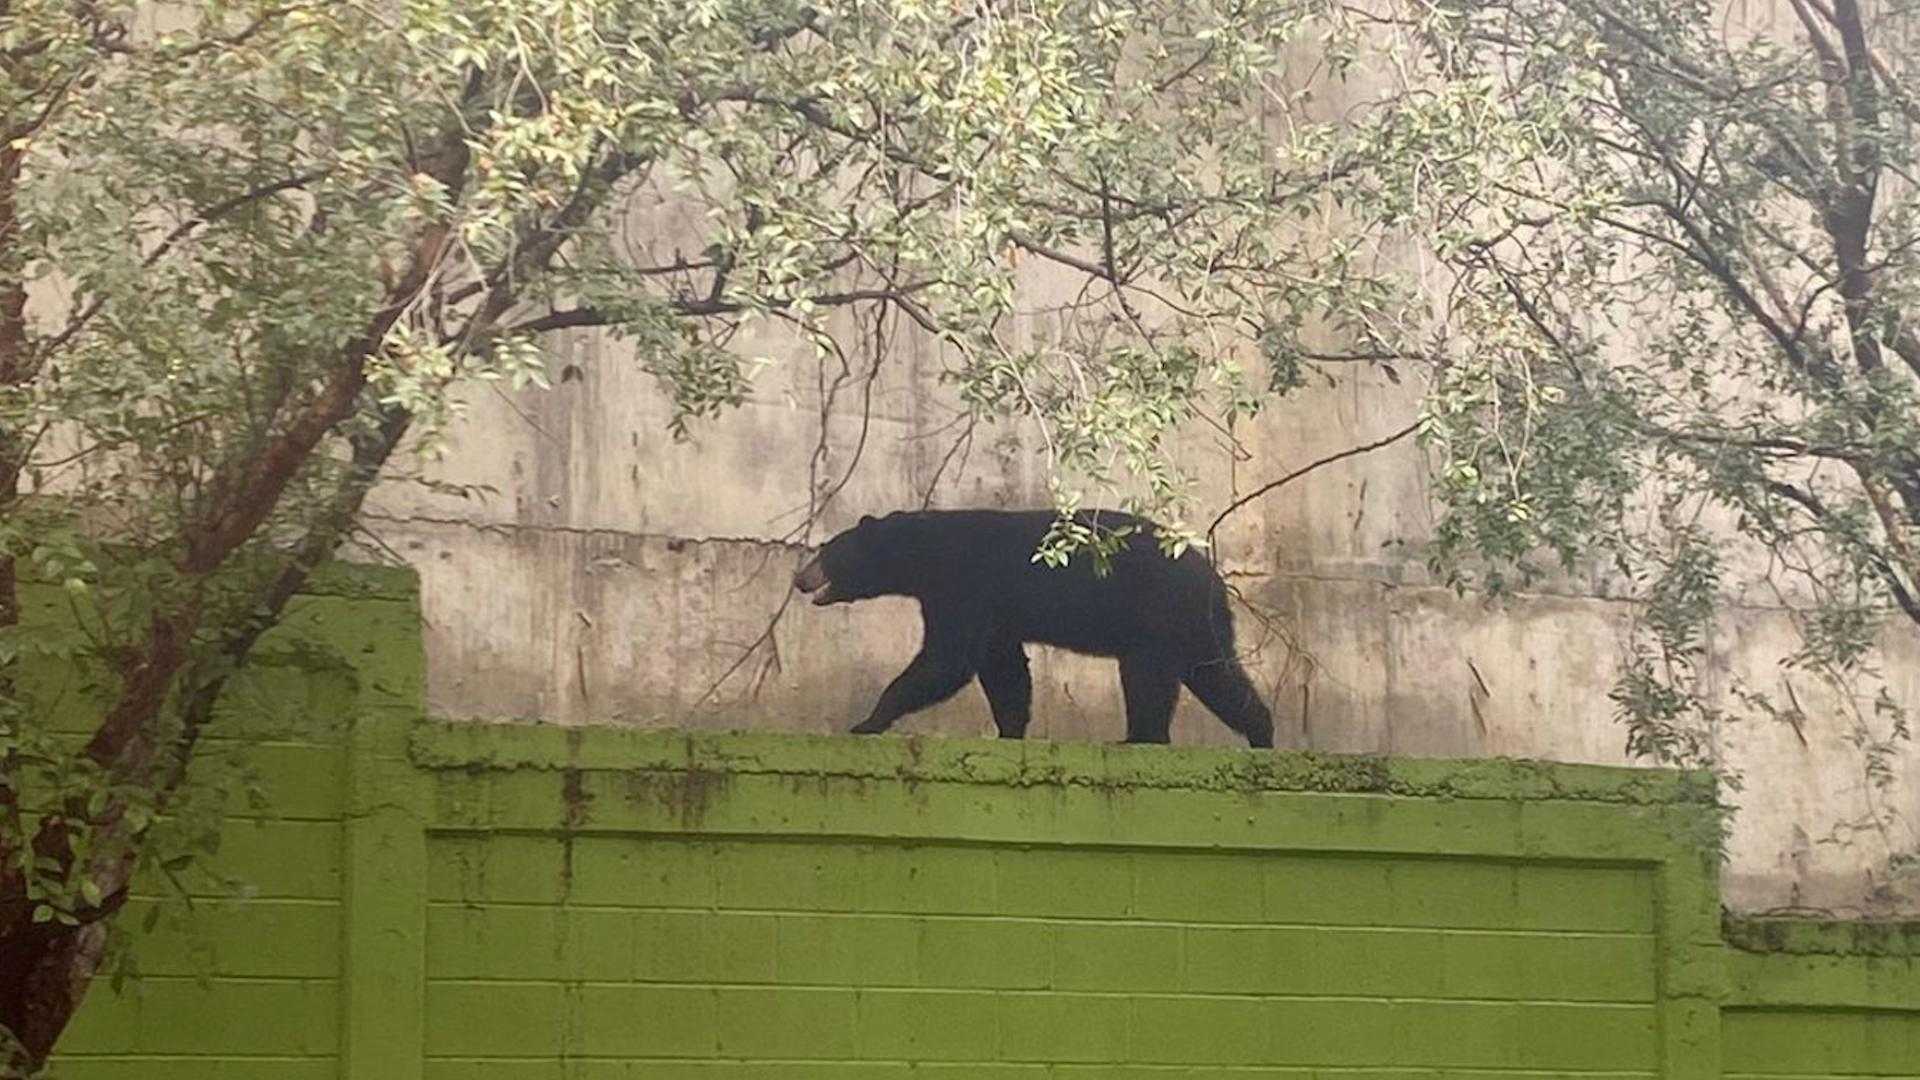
(786,1023)
(505,868)
(847,950)
(174,1016)
(929,879)
(1605,898)
(201,1067)
(645,1021)
(1058,1027)
(507,1069)
(499,942)
(277,859)
(928,1025)
(598,944)
(495,1019)
(1453,893)
(643,872)
(1549,967)
(1232,960)
(1350,1032)
(1116,956)
(1062,883)
(251,938)
(780,876)
(1457,1033)
(1327,890)
(1199,1030)
(1005,954)
(1592,1037)
(1200,888)
(703,947)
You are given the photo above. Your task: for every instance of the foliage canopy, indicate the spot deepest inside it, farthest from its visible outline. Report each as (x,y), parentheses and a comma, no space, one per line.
(246,247)
(1656,268)
(1685,347)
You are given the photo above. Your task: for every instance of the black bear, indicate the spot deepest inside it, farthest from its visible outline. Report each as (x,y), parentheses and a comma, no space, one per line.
(982,597)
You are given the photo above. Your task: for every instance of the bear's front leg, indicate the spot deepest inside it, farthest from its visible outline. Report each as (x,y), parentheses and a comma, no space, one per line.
(931,678)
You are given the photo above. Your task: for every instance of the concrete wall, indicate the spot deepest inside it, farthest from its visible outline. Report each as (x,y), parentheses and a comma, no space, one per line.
(617,577)
(614,576)
(764,906)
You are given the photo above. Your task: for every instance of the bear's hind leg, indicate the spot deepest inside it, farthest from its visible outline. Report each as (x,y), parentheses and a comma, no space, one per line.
(1150,684)
(1009,686)
(1223,687)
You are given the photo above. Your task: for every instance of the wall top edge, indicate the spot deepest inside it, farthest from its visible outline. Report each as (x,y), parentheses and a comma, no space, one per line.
(363,581)
(348,580)
(519,744)
(1815,936)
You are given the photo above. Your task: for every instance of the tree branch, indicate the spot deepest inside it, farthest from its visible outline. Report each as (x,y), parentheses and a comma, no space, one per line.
(573,318)
(79,319)
(1274,485)
(1817,509)
(1855,112)
(1091,269)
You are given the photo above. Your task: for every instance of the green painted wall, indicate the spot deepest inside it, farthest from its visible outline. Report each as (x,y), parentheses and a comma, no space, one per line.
(440,901)
(775,907)
(1809,999)
(248,983)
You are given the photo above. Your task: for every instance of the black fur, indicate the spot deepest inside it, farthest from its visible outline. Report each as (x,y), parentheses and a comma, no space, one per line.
(982,597)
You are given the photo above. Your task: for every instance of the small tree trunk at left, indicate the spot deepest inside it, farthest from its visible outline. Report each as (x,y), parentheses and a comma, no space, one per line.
(25,957)
(48,967)
(16,367)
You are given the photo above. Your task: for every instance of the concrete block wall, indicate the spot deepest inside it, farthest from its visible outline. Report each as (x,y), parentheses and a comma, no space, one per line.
(441,900)
(1810,999)
(716,958)
(247,976)
(778,906)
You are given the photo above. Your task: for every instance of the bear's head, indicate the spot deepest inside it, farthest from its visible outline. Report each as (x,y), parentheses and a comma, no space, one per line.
(868,560)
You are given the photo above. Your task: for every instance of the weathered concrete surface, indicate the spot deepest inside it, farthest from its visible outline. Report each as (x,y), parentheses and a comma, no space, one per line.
(618,577)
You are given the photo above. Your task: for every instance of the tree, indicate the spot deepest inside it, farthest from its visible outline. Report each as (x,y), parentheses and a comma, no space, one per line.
(246,246)
(1682,342)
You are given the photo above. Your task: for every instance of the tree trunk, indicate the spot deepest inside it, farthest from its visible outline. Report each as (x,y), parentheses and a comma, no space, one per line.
(16,365)
(46,967)
(57,961)
(48,970)
(24,963)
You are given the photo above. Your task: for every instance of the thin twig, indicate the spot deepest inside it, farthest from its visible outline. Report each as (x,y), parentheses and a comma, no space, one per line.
(1273,485)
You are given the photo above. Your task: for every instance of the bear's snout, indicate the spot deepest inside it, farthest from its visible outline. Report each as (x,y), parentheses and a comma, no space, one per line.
(812,578)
